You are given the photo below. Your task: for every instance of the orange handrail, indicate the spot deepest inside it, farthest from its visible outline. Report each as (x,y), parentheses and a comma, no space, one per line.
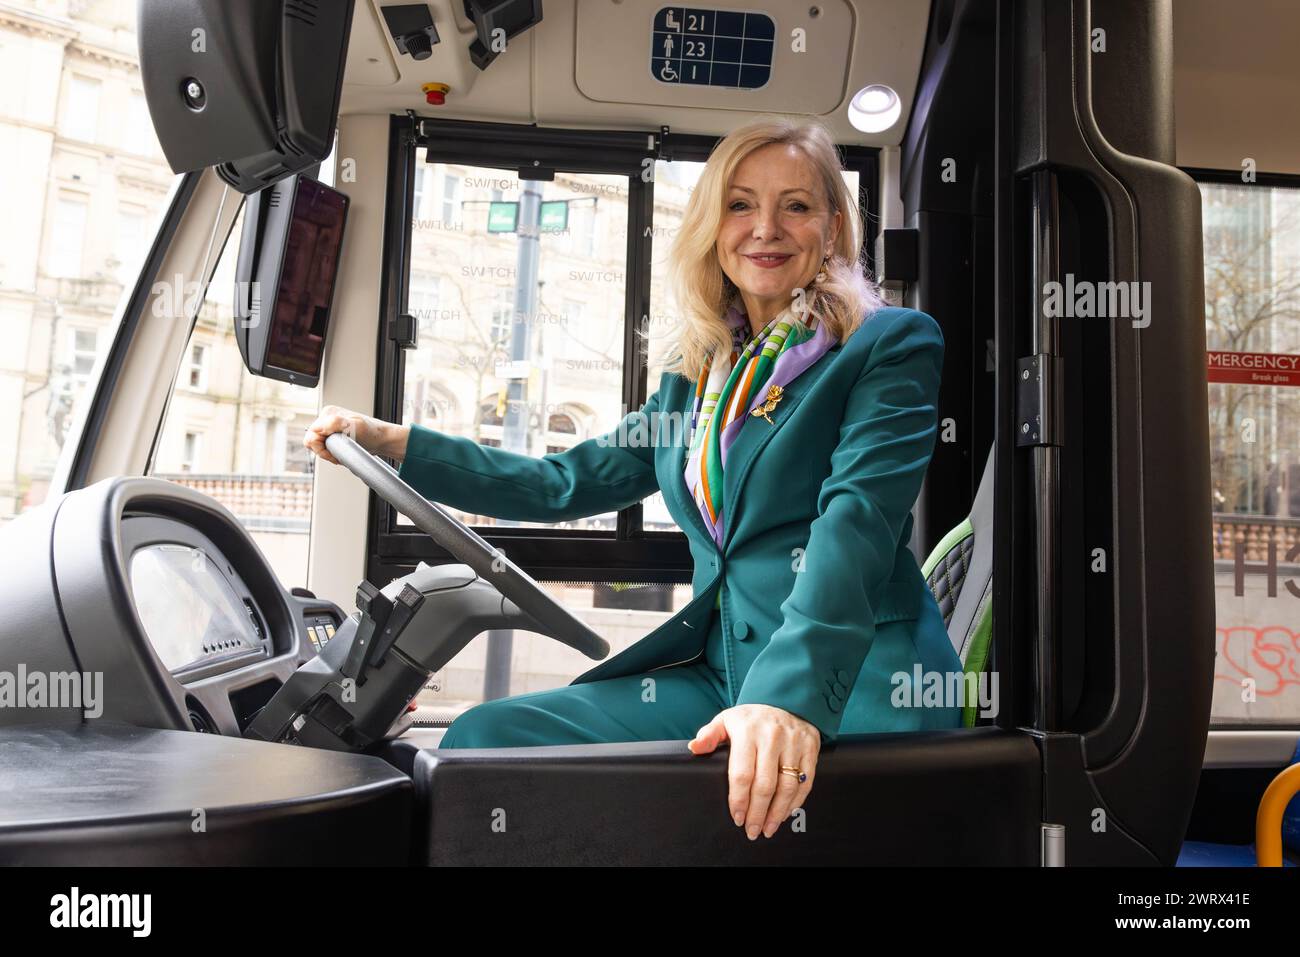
(1268,822)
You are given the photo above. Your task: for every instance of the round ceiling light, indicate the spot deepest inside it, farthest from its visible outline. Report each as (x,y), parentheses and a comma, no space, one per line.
(874,108)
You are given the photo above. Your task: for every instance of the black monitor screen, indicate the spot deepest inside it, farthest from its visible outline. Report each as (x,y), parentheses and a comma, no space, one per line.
(311,258)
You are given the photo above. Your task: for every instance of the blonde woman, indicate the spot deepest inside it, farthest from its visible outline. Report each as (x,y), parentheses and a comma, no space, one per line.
(789,435)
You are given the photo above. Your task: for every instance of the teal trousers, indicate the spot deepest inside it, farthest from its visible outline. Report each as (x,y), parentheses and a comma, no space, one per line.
(672,704)
(668,704)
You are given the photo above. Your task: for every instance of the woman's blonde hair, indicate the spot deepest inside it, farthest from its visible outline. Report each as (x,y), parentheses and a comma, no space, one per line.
(842,301)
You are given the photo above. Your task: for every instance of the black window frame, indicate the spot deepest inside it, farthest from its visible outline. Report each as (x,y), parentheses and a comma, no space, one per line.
(1232,177)
(629,553)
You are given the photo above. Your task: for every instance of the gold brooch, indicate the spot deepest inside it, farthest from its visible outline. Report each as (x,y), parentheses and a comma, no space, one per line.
(769,404)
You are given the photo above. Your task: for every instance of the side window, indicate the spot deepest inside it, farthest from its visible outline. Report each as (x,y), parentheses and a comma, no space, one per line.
(674,182)
(519,354)
(525,353)
(81,214)
(238,437)
(1252,316)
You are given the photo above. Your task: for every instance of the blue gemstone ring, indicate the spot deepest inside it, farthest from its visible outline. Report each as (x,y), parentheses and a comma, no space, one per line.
(794,772)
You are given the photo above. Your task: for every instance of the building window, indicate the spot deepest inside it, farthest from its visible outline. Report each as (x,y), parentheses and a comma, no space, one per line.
(503,312)
(141,137)
(297,459)
(422,300)
(197,368)
(450,195)
(582,228)
(279,448)
(561,432)
(130,240)
(422,177)
(562,422)
(492,412)
(257,464)
(85,348)
(69,238)
(572,315)
(191,449)
(81,112)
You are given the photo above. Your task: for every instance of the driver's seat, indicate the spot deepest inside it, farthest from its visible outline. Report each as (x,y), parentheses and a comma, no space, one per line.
(959,572)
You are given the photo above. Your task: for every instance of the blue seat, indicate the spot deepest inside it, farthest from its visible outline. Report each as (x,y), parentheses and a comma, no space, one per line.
(1206,854)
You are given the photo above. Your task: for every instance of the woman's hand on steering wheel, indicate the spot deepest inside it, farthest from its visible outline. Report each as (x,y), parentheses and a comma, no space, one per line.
(374,435)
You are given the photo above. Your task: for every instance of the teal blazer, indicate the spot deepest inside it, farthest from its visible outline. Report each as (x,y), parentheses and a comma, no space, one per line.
(824,609)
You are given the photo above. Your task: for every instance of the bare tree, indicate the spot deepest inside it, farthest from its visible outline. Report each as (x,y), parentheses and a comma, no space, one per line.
(1252,304)
(475,350)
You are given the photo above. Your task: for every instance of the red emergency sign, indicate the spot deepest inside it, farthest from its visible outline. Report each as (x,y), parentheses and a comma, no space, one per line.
(1254,368)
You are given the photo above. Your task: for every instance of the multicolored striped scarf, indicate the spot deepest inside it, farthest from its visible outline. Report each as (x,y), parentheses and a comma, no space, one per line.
(738,383)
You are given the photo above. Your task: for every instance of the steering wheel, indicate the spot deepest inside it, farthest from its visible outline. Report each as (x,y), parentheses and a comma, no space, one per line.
(552,618)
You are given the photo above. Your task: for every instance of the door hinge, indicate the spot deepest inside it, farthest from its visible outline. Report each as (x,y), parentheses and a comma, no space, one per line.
(1038,400)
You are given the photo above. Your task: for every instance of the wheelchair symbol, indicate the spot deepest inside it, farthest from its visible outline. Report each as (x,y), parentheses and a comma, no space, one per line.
(668,74)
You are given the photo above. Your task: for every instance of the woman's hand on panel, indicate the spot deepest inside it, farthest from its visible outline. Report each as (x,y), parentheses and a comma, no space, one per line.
(770,750)
(374,435)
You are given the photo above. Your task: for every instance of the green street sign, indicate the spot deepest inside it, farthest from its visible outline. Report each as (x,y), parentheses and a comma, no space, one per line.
(554,217)
(503,217)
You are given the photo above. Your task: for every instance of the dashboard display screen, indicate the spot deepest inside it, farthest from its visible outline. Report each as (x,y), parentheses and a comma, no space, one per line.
(187,606)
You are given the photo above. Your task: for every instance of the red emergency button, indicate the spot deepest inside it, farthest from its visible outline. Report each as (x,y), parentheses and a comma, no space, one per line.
(435,94)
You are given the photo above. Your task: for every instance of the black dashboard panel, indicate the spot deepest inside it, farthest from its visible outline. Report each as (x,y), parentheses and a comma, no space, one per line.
(31,634)
(107,794)
(199,638)
(225,632)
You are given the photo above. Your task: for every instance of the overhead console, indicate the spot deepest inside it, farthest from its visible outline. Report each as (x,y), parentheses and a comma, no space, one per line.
(496,22)
(250,87)
(644,64)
